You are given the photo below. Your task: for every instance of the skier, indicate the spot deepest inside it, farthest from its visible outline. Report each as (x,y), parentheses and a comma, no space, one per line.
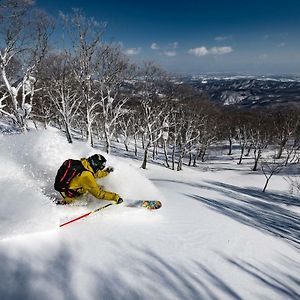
(76,178)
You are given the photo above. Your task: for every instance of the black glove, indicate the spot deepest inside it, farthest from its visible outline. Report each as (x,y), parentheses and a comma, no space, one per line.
(109,169)
(120,200)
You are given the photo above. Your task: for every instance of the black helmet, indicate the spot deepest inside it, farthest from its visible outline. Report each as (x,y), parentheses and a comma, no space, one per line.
(97,162)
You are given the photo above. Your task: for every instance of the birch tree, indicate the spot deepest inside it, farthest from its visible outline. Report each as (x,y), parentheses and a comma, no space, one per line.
(285,122)
(175,131)
(62,91)
(152,115)
(242,132)
(228,127)
(269,168)
(293,147)
(260,136)
(43,110)
(205,117)
(112,70)
(165,139)
(137,129)
(154,120)
(85,35)
(125,125)
(24,38)
(189,133)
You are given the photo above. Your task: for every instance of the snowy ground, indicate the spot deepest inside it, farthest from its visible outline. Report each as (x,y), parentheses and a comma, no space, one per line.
(216,236)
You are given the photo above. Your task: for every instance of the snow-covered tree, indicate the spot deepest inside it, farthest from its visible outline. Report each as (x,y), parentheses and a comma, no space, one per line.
(43,110)
(154,114)
(154,118)
(293,147)
(62,90)
(260,135)
(24,39)
(137,128)
(227,124)
(189,133)
(165,139)
(242,121)
(125,128)
(270,167)
(85,35)
(112,69)
(285,122)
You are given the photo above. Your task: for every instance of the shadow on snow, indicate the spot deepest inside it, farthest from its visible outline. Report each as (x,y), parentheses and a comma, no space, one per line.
(151,277)
(269,212)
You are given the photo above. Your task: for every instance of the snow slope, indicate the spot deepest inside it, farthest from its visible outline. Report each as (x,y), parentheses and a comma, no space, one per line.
(216,236)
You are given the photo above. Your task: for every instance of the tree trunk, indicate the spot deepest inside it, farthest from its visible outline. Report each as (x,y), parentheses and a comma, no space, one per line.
(68,133)
(190,159)
(230,146)
(107,139)
(135,145)
(89,130)
(180,159)
(256,160)
(241,156)
(281,147)
(108,145)
(249,149)
(91,139)
(143,141)
(173,157)
(179,164)
(144,164)
(126,146)
(266,184)
(202,154)
(35,124)
(166,153)
(153,152)
(195,161)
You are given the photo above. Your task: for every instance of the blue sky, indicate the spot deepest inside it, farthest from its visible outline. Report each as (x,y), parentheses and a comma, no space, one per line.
(236,36)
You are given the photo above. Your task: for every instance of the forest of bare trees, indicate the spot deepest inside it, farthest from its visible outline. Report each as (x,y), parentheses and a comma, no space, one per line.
(90,89)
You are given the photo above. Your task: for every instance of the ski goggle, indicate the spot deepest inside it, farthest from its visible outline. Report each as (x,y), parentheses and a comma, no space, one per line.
(96,163)
(100,165)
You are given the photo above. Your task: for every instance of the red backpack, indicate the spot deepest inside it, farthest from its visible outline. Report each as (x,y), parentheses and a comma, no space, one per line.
(68,170)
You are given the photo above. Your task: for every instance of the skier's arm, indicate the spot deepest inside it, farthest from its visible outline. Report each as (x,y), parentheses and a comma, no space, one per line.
(89,183)
(103,173)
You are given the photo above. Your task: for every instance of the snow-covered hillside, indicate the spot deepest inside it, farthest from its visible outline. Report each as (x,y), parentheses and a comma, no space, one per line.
(249,91)
(216,236)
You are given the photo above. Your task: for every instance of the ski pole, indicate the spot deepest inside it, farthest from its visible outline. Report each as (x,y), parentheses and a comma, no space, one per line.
(85,215)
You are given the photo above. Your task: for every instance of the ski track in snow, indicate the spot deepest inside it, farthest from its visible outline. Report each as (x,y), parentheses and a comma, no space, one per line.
(215,237)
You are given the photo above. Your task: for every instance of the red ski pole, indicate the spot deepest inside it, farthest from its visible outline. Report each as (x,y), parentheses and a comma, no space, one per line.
(85,215)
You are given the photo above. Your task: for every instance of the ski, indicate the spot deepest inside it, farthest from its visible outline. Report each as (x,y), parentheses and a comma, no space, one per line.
(85,215)
(148,204)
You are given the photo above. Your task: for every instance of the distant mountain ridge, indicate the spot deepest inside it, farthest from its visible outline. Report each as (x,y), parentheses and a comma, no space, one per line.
(249,91)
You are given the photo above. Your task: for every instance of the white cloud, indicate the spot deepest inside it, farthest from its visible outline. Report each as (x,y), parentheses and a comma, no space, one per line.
(281,45)
(170,53)
(133,51)
(223,38)
(202,51)
(220,50)
(154,46)
(173,45)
